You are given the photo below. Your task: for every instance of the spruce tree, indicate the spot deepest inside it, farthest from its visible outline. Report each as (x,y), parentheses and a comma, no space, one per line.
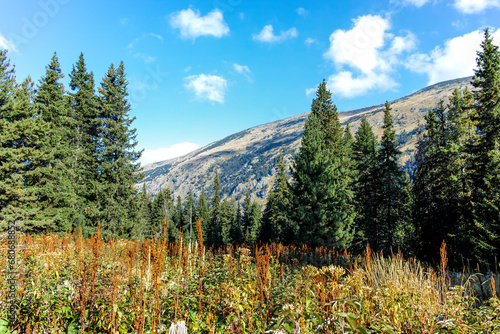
(365,187)
(227,221)
(441,178)
(118,168)
(179,215)
(85,136)
(255,220)
(21,140)
(246,218)
(237,231)
(277,226)
(348,141)
(389,184)
(143,229)
(162,209)
(485,198)
(188,218)
(214,229)
(203,213)
(323,198)
(58,198)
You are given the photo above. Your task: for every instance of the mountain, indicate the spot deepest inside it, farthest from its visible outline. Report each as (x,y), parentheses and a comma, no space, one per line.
(246,160)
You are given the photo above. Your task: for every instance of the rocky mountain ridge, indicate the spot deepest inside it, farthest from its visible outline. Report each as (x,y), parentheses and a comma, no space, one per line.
(246,160)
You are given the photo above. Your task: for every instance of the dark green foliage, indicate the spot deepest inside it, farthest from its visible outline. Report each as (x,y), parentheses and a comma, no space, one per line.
(389,184)
(214,228)
(85,139)
(118,168)
(21,138)
(245,218)
(348,140)
(251,221)
(58,199)
(440,178)
(276,225)
(255,221)
(178,214)
(405,238)
(188,227)
(68,159)
(237,230)
(365,185)
(203,213)
(162,210)
(227,221)
(143,228)
(323,198)
(485,197)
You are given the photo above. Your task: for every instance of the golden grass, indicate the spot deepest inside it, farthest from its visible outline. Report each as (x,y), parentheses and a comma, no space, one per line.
(69,284)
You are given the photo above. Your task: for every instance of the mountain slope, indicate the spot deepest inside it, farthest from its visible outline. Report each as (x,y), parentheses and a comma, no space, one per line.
(246,160)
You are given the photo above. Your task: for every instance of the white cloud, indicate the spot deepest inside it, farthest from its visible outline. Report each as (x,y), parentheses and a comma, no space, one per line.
(192,25)
(267,35)
(310,41)
(301,11)
(144,36)
(6,44)
(243,69)
(365,56)
(147,59)
(475,6)
(456,59)
(207,87)
(416,3)
(162,154)
(402,44)
(359,47)
(159,37)
(346,85)
(310,91)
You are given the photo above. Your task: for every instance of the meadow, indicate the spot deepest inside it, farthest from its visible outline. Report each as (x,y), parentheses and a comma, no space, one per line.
(68,284)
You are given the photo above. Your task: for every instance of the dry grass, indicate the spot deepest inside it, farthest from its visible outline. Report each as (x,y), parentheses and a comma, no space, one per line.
(70,285)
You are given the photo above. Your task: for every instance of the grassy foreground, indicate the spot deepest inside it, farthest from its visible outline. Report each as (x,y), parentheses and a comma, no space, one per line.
(71,285)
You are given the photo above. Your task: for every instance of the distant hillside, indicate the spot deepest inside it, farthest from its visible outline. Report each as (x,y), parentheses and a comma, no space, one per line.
(246,160)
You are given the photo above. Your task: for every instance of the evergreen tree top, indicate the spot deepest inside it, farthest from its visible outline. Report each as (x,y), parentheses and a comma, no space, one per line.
(365,138)
(7,78)
(80,77)
(217,191)
(323,101)
(488,63)
(49,88)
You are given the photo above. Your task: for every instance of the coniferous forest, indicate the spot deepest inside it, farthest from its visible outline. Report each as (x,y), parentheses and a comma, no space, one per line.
(332,236)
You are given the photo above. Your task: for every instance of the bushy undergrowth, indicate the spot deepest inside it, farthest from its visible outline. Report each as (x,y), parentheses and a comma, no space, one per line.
(70,285)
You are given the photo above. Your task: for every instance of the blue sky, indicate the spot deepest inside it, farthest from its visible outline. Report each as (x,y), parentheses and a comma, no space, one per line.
(201,70)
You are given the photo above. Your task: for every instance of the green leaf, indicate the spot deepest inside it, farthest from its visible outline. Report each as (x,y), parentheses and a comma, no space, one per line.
(362,330)
(72,329)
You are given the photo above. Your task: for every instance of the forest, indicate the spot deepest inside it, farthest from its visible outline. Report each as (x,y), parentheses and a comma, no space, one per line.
(319,255)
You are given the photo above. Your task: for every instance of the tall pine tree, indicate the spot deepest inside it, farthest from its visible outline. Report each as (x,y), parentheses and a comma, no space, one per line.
(389,186)
(214,228)
(58,200)
(277,226)
(85,136)
(118,169)
(21,140)
(485,208)
(365,187)
(322,179)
